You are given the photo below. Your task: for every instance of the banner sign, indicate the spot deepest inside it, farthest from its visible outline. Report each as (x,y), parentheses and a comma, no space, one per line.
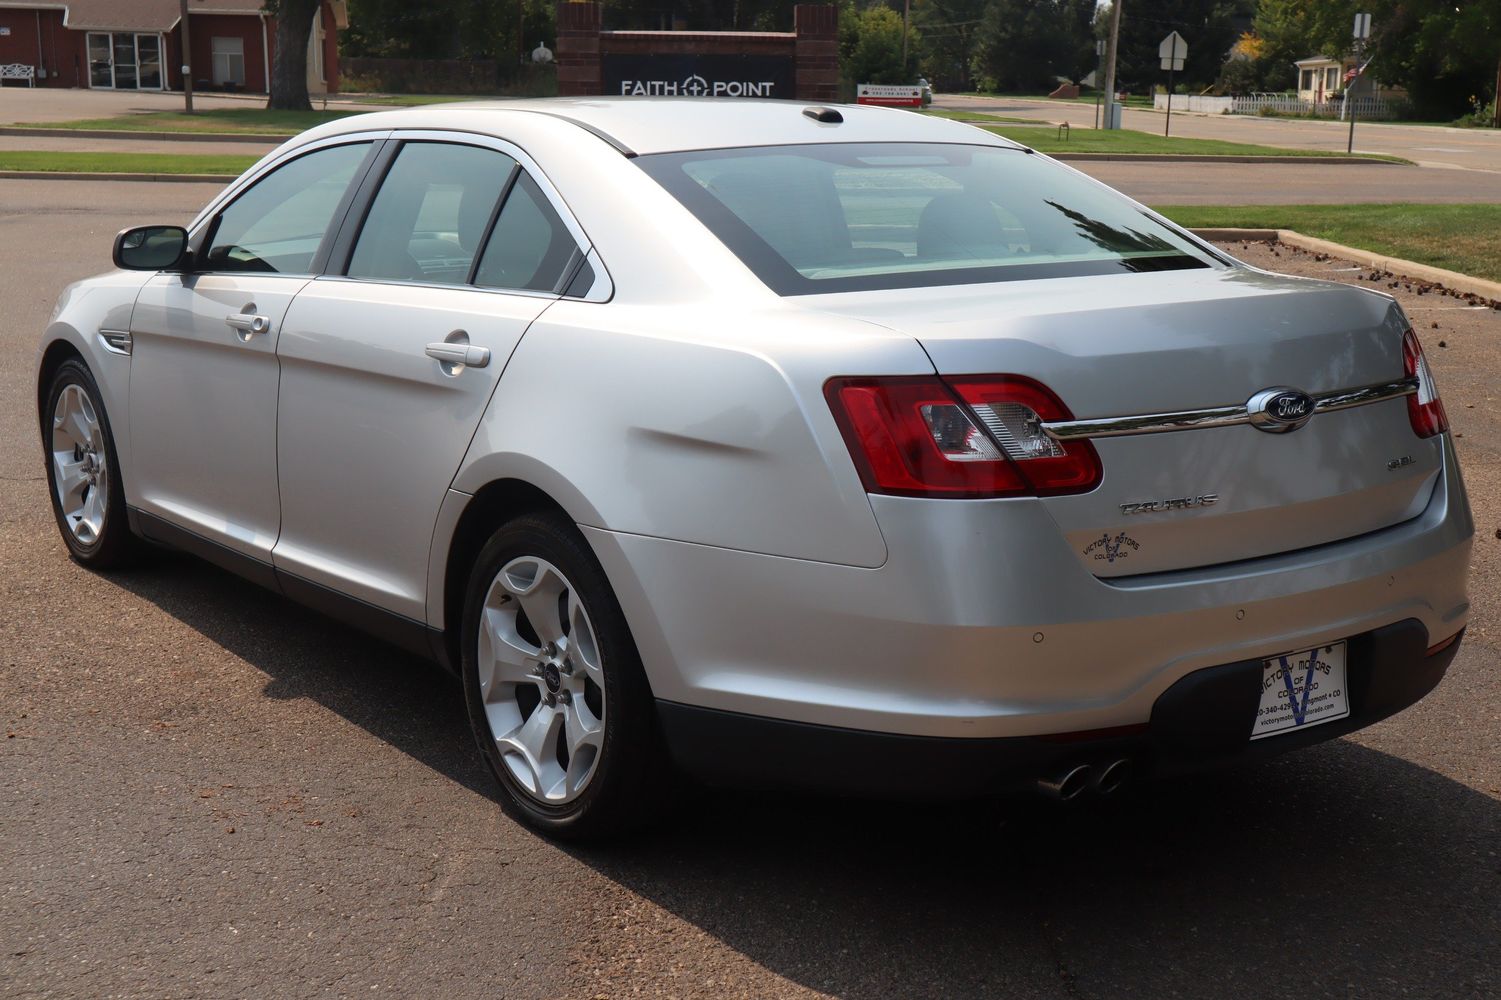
(888,95)
(698,75)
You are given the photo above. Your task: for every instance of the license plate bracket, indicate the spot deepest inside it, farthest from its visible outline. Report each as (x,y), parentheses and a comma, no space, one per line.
(1302,689)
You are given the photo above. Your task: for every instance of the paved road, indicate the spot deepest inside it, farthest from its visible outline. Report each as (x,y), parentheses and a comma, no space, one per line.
(1471,149)
(212,793)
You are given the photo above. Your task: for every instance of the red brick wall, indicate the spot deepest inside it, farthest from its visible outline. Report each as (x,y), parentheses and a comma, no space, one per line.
(817,51)
(578,50)
(204,28)
(814,47)
(61,52)
(330,50)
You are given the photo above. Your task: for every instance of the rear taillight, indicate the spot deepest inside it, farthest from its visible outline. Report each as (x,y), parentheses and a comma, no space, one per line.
(1424,408)
(966,437)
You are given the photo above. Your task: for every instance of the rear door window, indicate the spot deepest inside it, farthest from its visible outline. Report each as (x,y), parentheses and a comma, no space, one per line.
(429,218)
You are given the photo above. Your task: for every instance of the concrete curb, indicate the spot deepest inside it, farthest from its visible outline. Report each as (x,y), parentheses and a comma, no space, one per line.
(63,175)
(101,133)
(1452,280)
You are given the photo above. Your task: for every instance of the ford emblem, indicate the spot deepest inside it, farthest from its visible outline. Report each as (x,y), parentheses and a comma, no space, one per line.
(1280,410)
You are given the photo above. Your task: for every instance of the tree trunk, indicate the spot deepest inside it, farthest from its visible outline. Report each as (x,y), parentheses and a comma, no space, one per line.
(294,25)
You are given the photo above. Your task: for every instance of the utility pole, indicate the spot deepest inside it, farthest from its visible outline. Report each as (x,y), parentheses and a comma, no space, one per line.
(1496,105)
(1110,52)
(1361,33)
(1099,71)
(187,61)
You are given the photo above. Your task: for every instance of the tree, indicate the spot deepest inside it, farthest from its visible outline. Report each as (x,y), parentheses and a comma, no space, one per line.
(294,26)
(1025,45)
(1444,52)
(949,29)
(875,47)
(1208,26)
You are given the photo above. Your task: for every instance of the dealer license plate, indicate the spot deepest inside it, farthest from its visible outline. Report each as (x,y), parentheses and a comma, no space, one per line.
(1302,689)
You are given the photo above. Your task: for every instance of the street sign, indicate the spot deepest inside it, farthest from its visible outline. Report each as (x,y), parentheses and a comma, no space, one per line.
(1172,51)
(1362,26)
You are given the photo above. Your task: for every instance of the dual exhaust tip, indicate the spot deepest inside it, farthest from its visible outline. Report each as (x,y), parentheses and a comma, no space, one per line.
(1105,780)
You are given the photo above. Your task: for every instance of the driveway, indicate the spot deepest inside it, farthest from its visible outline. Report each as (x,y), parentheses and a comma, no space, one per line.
(210,792)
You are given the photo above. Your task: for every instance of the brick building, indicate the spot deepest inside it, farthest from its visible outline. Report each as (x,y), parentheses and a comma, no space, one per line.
(137,44)
(801,64)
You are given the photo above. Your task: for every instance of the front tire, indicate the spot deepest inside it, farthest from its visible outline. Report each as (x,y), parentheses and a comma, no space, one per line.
(83,471)
(557,697)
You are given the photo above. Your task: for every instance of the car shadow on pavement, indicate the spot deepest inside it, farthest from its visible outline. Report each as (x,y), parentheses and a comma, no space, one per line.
(396,696)
(1338,871)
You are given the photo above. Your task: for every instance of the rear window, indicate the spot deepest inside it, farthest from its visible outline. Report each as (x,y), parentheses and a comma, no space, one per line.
(846,217)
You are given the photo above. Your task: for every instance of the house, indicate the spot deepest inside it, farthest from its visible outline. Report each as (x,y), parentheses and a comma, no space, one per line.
(137,44)
(1321,77)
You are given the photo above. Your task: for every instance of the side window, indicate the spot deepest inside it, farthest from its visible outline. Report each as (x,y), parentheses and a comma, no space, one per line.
(277,225)
(530,248)
(429,217)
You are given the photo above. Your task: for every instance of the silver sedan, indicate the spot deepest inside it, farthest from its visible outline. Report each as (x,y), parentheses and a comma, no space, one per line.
(835,448)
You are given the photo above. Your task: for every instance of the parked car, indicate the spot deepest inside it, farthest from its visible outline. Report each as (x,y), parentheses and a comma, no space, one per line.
(832,448)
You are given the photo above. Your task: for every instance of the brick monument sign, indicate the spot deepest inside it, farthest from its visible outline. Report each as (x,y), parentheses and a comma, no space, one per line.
(802,64)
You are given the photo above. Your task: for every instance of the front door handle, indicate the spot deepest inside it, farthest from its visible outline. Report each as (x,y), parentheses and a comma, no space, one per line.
(249,324)
(459,354)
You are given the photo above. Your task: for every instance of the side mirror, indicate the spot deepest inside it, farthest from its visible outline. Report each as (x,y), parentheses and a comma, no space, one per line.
(151,248)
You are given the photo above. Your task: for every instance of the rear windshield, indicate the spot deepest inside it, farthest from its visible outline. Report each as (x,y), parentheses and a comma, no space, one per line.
(846,217)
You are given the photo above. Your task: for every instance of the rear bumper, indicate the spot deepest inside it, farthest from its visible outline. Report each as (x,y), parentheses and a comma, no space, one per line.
(1202,721)
(984,624)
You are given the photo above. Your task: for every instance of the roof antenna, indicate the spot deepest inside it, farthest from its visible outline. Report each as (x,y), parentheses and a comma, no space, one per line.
(829,116)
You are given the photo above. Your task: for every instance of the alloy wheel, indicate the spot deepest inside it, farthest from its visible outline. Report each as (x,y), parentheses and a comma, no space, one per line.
(79,464)
(541,680)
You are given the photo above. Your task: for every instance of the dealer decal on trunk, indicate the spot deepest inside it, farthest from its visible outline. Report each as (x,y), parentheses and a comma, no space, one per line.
(1107,549)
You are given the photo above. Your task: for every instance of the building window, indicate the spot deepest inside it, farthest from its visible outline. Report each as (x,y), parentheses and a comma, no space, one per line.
(1307,83)
(1331,78)
(101,67)
(229,61)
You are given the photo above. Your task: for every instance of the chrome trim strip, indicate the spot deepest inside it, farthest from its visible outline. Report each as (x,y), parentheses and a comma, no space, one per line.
(116,341)
(1217,416)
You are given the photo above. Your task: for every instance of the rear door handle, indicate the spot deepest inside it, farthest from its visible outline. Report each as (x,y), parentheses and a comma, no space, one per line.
(249,324)
(459,354)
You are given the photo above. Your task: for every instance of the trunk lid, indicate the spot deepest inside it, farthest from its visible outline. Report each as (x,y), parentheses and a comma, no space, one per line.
(1133,344)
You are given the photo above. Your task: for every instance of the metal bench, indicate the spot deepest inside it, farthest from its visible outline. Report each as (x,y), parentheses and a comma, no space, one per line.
(18,71)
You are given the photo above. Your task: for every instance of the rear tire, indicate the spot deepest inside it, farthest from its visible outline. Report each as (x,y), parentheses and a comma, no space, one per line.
(83,471)
(557,697)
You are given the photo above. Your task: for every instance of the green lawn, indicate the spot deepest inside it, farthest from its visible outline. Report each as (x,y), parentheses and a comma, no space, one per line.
(255,121)
(1463,238)
(124,163)
(1088,140)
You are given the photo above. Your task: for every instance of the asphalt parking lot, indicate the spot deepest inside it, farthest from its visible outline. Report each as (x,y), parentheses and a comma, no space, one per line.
(209,792)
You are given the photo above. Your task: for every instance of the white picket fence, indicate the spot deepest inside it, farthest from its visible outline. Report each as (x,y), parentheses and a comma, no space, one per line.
(1369,108)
